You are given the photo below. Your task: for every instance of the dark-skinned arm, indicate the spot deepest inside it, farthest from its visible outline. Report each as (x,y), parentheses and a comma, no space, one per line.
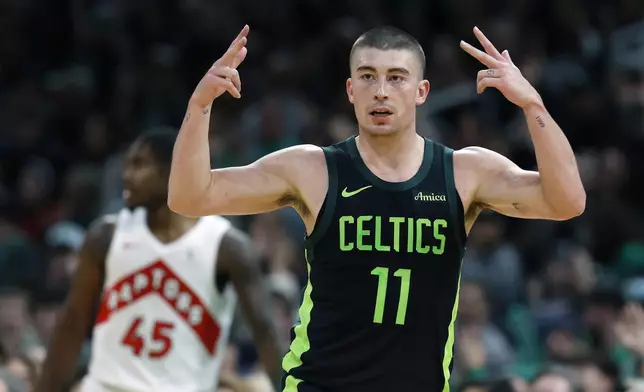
(239,261)
(75,319)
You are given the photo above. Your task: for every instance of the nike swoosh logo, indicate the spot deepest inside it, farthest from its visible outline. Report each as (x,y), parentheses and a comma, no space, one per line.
(346,193)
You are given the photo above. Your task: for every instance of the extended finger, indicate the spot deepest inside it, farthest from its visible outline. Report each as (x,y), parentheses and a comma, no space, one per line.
(229,57)
(235,47)
(490,73)
(239,57)
(487,45)
(481,56)
(243,33)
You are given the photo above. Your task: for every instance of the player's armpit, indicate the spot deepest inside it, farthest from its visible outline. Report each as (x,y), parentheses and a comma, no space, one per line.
(76,317)
(267,184)
(238,260)
(504,187)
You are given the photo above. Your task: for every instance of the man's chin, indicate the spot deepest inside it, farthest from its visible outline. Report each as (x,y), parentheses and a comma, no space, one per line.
(379,129)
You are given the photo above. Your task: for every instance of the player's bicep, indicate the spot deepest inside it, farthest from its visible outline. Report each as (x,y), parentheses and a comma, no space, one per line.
(265,185)
(509,190)
(250,189)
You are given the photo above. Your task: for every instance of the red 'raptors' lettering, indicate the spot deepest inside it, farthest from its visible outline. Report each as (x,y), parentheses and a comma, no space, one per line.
(158,279)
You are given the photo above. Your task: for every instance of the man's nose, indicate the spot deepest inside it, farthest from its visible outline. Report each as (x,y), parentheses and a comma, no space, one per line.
(381,92)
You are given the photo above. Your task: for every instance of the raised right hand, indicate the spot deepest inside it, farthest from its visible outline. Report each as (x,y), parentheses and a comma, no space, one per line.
(223,75)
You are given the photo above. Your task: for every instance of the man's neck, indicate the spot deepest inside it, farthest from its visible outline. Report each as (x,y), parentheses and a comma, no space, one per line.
(161,218)
(391,150)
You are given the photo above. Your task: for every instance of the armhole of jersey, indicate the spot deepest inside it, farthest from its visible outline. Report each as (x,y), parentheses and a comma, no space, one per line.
(328,208)
(453,198)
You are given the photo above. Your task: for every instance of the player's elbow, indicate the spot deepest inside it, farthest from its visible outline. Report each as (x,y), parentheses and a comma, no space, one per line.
(578,204)
(182,206)
(574,207)
(183,201)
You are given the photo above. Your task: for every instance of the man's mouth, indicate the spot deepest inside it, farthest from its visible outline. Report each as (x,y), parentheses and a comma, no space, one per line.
(381,113)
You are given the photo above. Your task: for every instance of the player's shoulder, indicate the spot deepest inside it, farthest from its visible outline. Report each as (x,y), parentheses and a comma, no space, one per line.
(103,226)
(100,233)
(475,165)
(300,161)
(300,151)
(476,157)
(471,151)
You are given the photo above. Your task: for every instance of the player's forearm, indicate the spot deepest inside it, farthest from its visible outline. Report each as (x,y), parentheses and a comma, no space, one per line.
(558,172)
(62,355)
(270,354)
(190,169)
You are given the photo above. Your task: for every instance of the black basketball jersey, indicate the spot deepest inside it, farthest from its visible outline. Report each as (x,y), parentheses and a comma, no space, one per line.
(384,265)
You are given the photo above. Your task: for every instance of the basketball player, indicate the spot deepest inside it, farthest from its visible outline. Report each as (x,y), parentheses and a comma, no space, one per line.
(386,213)
(168,287)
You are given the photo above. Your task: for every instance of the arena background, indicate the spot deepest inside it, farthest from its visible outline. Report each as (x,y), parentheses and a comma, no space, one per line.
(79,79)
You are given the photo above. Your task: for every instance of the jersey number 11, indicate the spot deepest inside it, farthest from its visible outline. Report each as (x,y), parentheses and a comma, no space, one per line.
(383,276)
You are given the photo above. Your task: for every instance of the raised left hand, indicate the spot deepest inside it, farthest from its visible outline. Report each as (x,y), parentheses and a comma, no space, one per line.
(501,74)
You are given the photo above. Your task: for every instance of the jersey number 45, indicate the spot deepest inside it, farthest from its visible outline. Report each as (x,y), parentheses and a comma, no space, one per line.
(160,339)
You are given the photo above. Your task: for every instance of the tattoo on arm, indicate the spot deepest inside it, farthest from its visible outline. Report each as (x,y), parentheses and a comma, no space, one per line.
(187,117)
(540,121)
(516,206)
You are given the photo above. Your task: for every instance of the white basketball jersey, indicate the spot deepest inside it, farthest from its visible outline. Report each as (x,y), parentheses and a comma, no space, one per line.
(162,324)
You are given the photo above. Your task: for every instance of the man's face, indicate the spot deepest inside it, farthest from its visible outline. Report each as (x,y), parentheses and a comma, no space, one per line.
(385,87)
(144,183)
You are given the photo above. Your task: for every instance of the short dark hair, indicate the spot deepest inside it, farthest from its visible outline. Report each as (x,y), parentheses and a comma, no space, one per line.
(161,144)
(389,38)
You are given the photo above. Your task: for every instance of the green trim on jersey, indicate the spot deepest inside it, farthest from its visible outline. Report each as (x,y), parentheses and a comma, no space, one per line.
(428,158)
(301,343)
(291,383)
(449,345)
(452,198)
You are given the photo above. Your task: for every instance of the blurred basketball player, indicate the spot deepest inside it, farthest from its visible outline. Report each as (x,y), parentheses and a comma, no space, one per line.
(168,286)
(387,212)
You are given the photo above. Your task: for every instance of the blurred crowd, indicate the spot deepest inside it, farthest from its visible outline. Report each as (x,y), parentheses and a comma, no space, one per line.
(544,306)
